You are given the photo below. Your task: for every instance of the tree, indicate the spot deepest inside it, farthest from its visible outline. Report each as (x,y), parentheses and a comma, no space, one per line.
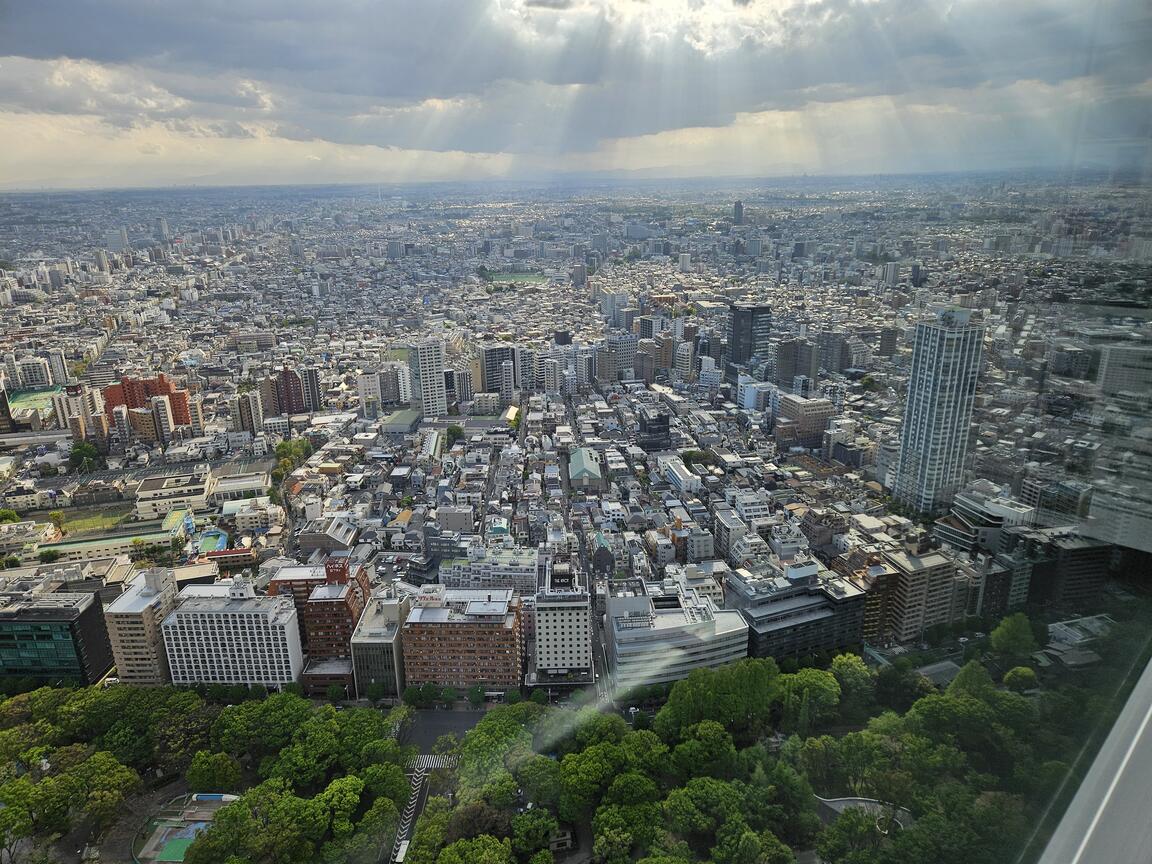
(10,562)
(857,686)
(539,776)
(708,749)
(386,781)
(739,696)
(898,685)
(477,818)
(481,850)
(1020,678)
(56,517)
(454,433)
(85,456)
(850,839)
(532,830)
(811,695)
(972,679)
(428,836)
(476,695)
(376,691)
(339,801)
(336,693)
(48,556)
(7,515)
(736,843)
(213,772)
(267,824)
(1013,637)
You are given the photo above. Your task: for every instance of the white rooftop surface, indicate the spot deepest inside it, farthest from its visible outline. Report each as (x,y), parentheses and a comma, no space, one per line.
(137,597)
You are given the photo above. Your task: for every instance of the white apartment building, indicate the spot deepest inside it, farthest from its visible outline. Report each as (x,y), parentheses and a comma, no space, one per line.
(496,566)
(158,496)
(655,637)
(938,416)
(680,477)
(225,634)
(563,629)
(134,622)
(749,505)
(427,361)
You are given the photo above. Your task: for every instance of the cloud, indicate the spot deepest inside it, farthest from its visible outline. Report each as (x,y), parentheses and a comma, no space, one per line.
(556,83)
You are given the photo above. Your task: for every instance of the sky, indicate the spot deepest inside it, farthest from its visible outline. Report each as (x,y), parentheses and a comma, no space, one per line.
(118,93)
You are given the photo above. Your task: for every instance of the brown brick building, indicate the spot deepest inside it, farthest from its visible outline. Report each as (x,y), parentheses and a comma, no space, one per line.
(459,637)
(301,581)
(138,392)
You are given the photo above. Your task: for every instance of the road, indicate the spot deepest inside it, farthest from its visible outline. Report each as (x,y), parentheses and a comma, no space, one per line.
(431,724)
(1108,820)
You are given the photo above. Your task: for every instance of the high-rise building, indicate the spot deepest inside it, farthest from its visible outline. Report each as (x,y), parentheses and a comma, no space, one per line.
(796,357)
(941,390)
(1125,368)
(749,332)
(927,590)
(368,389)
(116,239)
(196,414)
(333,608)
(134,619)
(738,213)
(563,644)
(247,412)
(290,392)
(162,417)
(655,431)
(427,362)
(34,373)
(57,366)
(491,362)
(225,634)
(310,382)
(269,397)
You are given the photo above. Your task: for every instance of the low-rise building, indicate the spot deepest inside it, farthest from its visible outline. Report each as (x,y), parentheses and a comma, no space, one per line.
(377,650)
(797,609)
(55,639)
(158,496)
(656,638)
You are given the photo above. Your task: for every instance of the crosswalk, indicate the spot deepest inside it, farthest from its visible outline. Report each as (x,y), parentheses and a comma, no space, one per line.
(417,775)
(433,762)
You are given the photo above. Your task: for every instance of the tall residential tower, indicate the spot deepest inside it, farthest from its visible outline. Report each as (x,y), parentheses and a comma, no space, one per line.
(941,389)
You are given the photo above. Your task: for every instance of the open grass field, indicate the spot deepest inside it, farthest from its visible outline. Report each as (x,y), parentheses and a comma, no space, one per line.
(41,400)
(93,520)
(520,278)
